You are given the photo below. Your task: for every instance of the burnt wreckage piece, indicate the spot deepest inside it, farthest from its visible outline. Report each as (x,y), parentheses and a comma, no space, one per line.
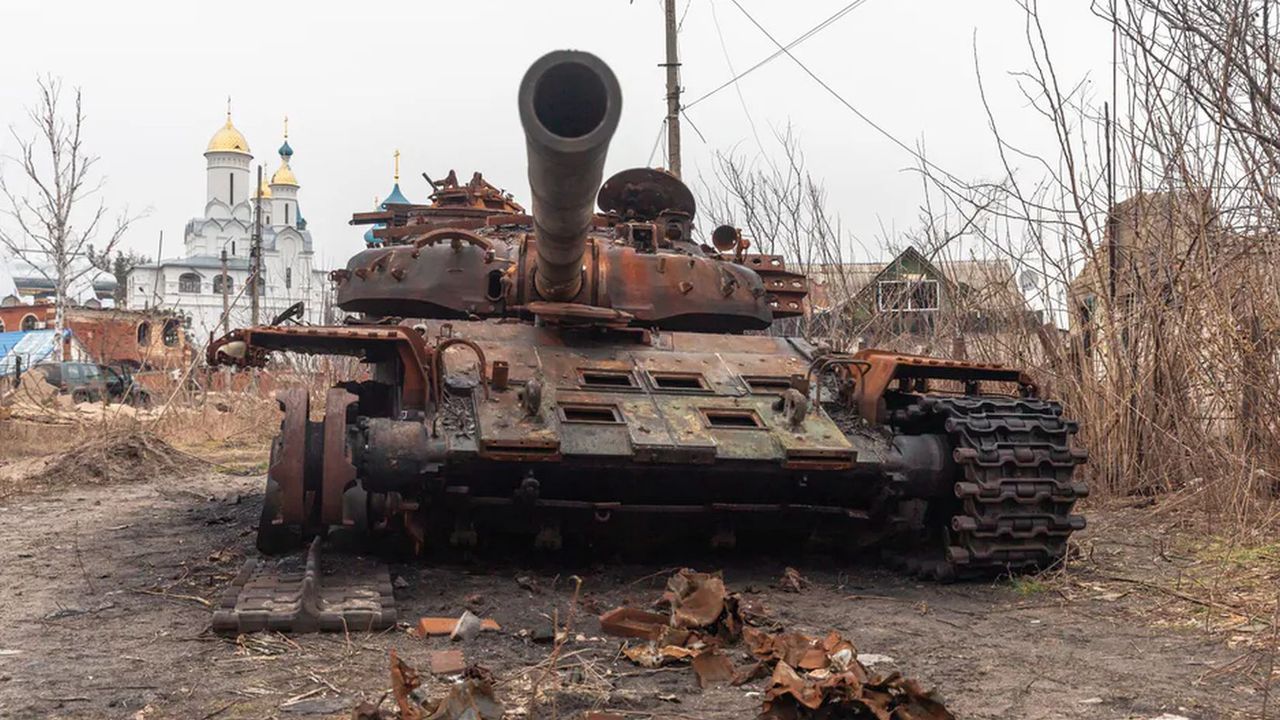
(574,372)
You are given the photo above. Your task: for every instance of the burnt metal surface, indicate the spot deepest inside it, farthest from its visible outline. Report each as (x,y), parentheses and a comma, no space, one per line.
(337,472)
(265,596)
(289,460)
(473,254)
(646,193)
(591,374)
(570,104)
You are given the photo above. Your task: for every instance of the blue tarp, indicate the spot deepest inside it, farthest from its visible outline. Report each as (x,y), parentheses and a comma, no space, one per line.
(32,346)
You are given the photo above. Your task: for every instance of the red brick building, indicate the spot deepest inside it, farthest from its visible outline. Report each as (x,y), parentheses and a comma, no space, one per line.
(140,339)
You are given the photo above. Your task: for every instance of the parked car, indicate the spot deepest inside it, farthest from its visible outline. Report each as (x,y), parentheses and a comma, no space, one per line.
(90,382)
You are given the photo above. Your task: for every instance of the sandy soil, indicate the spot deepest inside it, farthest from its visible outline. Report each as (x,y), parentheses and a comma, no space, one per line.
(102,615)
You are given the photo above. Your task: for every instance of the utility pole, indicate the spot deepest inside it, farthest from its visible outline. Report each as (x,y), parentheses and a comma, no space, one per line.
(673,92)
(155,287)
(255,253)
(226,307)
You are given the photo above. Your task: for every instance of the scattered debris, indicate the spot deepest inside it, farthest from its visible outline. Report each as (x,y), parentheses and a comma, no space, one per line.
(528,583)
(440,626)
(651,656)
(793,581)
(630,622)
(447,662)
(471,699)
(870,659)
(467,627)
(404,680)
(812,677)
(713,668)
(847,694)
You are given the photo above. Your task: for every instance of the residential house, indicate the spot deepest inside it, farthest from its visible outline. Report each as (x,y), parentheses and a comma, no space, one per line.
(927,305)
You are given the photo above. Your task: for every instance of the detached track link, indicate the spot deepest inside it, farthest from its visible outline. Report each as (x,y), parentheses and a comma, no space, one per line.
(1017,491)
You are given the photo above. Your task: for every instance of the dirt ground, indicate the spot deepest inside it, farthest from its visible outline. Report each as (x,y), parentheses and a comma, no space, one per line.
(103,615)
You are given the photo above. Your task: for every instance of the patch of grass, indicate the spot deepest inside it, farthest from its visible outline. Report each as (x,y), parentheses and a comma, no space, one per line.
(1028,586)
(1242,555)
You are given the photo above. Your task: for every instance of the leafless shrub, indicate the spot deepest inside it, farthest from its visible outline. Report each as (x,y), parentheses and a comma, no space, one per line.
(1171,293)
(1135,276)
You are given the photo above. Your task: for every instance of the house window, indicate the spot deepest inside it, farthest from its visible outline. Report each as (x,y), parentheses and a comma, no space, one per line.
(144,334)
(907,295)
(218,282)
(288,277)
(170,336)
(28,322)
(189,283)
(1,325)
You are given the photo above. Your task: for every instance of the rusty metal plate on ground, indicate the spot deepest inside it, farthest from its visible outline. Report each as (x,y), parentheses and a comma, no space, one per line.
(292,595)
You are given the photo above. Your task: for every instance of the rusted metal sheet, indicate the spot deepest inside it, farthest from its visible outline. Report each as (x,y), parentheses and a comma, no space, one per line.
(289,460)
(250,347)
(337,473)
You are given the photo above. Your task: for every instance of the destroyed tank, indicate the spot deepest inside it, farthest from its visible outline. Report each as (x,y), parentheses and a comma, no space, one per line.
(572,374)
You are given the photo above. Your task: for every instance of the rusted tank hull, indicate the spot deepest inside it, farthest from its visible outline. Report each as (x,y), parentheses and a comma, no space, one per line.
(470,428)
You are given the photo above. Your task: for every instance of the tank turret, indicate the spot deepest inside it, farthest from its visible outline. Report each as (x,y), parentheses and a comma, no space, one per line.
(570,103)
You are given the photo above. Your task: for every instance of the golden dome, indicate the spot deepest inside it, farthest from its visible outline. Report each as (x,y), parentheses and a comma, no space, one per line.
(264,190)
(284,176)
(228,139)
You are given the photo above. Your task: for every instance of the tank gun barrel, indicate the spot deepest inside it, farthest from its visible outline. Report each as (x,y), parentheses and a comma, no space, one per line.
(570,103)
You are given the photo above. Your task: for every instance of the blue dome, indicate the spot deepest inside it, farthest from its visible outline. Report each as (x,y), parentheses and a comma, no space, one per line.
(369,238)
(301,222)
(395,198)
(286,151)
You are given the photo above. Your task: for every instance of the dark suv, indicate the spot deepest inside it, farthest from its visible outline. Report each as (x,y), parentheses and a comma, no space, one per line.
(90,382)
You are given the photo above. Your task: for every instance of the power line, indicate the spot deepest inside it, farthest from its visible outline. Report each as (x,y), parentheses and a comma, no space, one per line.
(662,126)
(742,101)
(844,102)
(794,43)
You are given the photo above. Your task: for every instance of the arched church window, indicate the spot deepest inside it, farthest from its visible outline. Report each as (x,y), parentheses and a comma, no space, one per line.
(286,213)
(144,334)
(288,277)
(233,247)
(218,281)
(231,189)
(189,283)
(28,322)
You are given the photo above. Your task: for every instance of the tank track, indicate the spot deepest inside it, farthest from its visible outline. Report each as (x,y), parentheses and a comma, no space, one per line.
(1014,492)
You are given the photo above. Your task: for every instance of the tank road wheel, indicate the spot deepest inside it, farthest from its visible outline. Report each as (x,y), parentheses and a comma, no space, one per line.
(1014,492)
(284,510)
(273,538)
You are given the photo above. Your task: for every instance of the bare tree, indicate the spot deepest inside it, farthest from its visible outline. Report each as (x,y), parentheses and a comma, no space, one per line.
(58,213)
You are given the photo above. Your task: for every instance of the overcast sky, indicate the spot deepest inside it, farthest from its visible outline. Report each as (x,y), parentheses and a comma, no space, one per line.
(438,81)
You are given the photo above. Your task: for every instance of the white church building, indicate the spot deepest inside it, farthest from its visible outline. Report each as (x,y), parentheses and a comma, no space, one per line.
(193,283)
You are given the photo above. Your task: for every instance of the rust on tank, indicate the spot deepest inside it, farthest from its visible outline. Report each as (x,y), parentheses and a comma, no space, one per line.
(580,368)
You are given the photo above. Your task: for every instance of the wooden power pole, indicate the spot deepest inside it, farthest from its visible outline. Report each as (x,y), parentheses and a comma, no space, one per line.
(226,306)
(255,253)
(673,92)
